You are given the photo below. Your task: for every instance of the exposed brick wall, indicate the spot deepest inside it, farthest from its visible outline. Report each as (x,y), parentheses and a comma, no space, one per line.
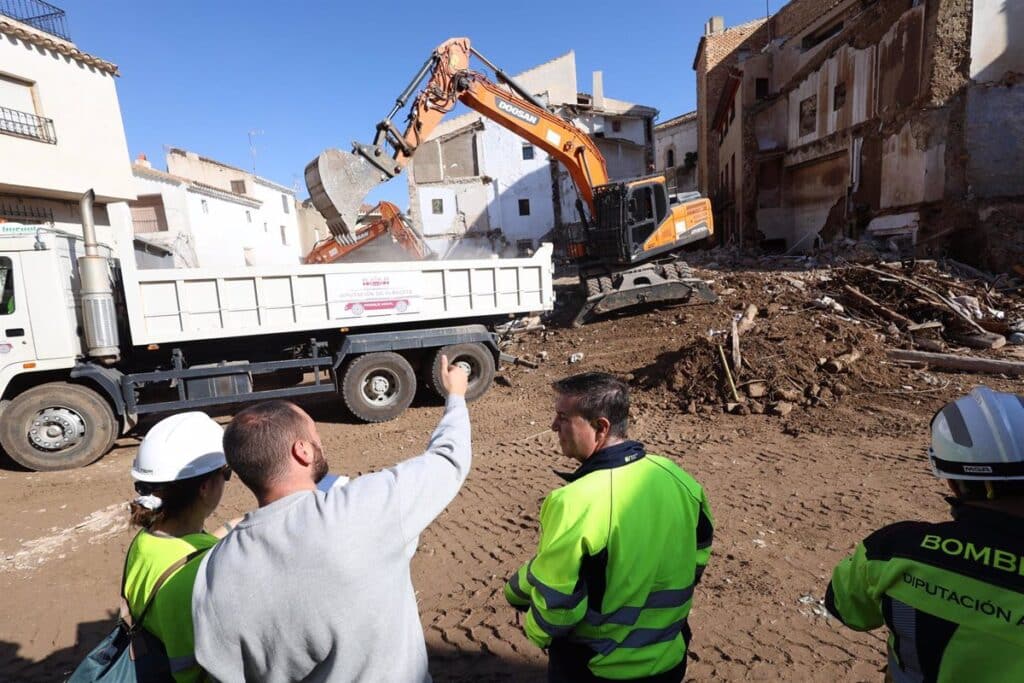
(718,54)
(796,16)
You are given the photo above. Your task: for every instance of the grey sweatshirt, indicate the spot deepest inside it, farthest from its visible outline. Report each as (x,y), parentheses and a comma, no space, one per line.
(316,586)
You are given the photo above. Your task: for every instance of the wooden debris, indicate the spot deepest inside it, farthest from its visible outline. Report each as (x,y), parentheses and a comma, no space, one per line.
(737,359)
(929,345)
(928,290)
(747,320)
(984,340)
(886,313)
(954,361)
(930,325)
(728,374)
(842,362)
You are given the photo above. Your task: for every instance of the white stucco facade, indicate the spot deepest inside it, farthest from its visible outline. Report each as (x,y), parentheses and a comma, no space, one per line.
(206,226)
(61,132)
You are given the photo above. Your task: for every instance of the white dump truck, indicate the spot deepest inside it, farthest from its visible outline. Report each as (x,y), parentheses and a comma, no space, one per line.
(88,343)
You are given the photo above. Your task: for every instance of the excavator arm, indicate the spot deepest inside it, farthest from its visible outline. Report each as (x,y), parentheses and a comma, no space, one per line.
(338,181)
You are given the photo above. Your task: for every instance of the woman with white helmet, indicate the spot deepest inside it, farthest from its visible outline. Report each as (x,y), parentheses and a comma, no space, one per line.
(951,593)
(179,474)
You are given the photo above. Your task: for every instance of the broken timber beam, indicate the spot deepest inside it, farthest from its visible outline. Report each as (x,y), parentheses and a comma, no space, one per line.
(953,361)
(928,290)
(888,313)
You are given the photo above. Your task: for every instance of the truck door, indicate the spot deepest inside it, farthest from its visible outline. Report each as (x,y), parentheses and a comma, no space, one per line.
(15,327)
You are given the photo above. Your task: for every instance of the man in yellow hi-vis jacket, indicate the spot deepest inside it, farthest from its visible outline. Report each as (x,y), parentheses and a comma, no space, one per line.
(622,547)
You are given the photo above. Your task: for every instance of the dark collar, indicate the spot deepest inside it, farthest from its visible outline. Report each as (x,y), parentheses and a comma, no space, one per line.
(997,519)
(607,458)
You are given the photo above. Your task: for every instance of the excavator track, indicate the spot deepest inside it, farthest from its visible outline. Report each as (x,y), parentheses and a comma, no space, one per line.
(608,291)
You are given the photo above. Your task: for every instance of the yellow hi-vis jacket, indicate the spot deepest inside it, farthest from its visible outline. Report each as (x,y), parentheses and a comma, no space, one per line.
(622,547)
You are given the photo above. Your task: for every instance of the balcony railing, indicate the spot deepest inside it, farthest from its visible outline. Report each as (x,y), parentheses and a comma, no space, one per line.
(38,14)
(27,125)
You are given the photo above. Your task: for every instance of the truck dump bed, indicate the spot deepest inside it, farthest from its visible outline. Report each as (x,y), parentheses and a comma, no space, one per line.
(192,304)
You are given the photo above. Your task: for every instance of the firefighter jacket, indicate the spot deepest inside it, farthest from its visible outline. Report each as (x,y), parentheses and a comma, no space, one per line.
(622,547)
(951,594)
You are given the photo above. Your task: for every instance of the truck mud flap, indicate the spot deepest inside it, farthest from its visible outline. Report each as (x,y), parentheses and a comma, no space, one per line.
(672,290)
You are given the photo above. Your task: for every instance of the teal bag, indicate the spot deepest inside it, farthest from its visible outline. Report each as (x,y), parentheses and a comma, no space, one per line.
(130,653)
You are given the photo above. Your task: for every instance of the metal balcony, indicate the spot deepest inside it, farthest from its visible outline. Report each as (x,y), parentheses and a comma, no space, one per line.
(37,14)
(23,124)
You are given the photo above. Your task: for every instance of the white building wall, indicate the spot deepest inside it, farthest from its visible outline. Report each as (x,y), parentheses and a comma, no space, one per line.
(90,152)
(220,232)
(277,210)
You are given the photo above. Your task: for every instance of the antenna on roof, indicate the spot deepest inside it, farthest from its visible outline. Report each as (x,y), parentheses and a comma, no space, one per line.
(252,146)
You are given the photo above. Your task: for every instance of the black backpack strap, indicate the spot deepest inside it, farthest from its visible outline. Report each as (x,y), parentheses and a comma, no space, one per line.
(136,623)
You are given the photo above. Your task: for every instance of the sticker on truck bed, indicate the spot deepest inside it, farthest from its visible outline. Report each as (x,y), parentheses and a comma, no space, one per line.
(364,295)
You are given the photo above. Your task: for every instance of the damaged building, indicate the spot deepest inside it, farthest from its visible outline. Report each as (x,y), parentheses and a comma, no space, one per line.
(476,187)
(868,118)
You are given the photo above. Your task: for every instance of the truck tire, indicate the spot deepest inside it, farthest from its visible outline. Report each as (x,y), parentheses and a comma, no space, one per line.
(475,358)
(57,426)
(378,387)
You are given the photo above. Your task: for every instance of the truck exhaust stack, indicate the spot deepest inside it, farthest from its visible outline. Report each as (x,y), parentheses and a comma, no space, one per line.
(338,182)
(99,316)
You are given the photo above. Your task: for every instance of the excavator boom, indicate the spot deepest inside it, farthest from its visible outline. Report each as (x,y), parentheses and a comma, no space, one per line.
(338,181)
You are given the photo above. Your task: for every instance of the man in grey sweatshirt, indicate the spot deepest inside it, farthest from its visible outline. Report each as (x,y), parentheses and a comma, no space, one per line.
(315,585)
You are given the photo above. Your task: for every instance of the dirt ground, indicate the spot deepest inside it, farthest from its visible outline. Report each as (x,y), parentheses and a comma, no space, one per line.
(791,495)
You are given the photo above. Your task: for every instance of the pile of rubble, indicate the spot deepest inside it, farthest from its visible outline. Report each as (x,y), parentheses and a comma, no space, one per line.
(810,337)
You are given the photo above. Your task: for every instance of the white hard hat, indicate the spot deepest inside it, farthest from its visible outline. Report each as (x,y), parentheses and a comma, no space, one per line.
(182,446)
(979,436)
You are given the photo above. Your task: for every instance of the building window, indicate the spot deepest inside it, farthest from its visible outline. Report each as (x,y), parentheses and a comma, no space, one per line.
(266,228)
(284,235)
(761,88)
(819,37)
(19,111)
(616,126)
(437,206)
(248,216)
(284,203)
(670,158)
(838,96)
(6,286)
(524,207)
(527,152)
(238,186)
(809,116)
(206,206)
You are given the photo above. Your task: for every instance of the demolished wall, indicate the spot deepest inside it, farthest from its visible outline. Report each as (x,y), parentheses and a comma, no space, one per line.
(889,122)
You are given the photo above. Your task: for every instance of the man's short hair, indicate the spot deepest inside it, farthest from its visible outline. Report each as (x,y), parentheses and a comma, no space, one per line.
(258,442)
(598,394)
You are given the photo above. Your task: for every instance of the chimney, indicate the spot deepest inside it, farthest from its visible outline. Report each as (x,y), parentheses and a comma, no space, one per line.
(714,26)
(598,101)
(141,160)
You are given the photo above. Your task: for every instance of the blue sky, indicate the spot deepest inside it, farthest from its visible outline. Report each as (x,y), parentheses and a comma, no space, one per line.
(313,75)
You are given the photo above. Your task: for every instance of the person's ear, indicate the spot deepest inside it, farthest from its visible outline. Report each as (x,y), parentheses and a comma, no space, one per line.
(602,427)
(302,451)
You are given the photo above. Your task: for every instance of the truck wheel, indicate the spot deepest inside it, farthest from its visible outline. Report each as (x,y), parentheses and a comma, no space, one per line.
(475,358)
(378,387)
(57,426)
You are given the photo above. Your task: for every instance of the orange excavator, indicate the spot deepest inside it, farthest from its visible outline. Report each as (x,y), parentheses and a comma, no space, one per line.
(627,250)
(391,222)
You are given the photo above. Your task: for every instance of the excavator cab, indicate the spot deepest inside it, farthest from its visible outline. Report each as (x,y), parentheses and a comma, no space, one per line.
(634,220)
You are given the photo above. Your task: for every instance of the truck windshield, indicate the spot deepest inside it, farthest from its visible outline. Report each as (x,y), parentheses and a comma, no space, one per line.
(6,286)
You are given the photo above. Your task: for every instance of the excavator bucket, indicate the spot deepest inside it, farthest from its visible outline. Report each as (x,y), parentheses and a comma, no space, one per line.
(338,182)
